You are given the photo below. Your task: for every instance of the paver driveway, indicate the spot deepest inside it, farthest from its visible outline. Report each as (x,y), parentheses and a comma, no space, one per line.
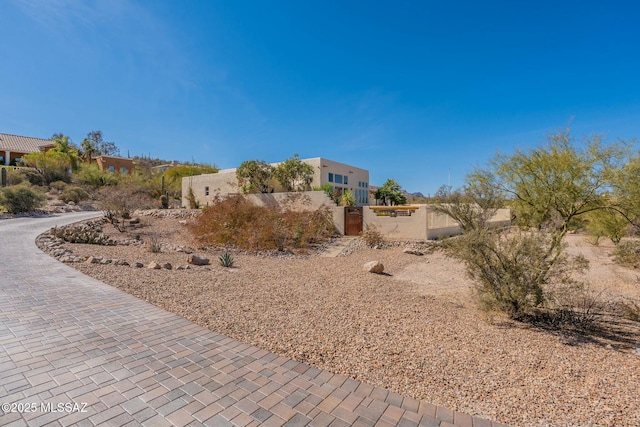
(75,351)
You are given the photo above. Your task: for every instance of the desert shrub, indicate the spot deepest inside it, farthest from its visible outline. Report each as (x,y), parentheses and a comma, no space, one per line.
(191,197)
(629,309)
(372,237)
(31,175)
(14,177)
(74,194)
(58,185)
(515,274)
(155,247)
(117,202)
(91,175)
(21,198)
(236,221)
(627,254)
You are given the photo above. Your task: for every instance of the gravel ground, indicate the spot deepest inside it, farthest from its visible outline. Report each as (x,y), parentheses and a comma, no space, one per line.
(413,329)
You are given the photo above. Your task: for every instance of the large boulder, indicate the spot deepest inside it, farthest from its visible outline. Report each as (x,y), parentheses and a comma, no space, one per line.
(374,267)
(197,260)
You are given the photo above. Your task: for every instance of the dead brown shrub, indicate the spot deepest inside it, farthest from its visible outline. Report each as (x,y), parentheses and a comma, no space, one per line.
(238,222)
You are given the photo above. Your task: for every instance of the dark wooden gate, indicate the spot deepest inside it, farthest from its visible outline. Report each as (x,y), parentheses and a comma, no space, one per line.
(352,220)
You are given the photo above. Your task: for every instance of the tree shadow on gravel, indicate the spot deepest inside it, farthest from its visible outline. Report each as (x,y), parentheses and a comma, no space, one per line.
(605,330)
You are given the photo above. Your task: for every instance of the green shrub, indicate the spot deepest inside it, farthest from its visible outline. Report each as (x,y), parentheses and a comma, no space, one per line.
(21,198)
(32,175)
(14,177)
(515,274)
(58,185)
(91,175)
(74,194)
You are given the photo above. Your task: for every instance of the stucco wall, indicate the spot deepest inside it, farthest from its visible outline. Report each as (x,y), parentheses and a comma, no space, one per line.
(220,183)
(412,227)
(423,224)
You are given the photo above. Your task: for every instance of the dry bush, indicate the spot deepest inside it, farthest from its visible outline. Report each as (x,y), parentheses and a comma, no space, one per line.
(155,247)
(372,237)
(629,309)
(238,222)
(627,254)
(117,202)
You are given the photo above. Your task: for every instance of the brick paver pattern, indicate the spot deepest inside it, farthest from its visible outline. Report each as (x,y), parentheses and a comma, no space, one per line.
(66,338)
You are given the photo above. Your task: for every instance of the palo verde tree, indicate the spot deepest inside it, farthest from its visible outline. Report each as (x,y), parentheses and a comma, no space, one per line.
(254,175)
(549,188)
(294,174)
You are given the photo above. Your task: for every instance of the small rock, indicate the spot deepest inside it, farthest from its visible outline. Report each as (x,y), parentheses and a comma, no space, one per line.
(197,260)
(65,259)
(374,267)
(182,222)
(167,265)
(138,265)
(92,260)
(636,351)
(180,267)
(71,203)
(105,261)
(154,265)
(412,252)
(135,220)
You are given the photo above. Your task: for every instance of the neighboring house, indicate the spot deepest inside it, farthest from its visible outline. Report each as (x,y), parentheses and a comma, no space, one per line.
(115,164)
(13,147)
(164,168)
(339,175)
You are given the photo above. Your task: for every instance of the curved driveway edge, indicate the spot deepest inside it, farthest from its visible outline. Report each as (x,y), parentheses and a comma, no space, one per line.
(76,351)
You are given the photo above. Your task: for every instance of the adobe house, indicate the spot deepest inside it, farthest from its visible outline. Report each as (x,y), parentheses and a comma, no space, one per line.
(13,147)
(340,176)
(115,164)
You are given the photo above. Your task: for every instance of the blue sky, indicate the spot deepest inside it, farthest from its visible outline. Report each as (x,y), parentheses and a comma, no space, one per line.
(408,90)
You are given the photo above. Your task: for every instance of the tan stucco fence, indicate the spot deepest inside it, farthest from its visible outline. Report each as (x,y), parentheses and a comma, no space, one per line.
(418,222)
(423,223)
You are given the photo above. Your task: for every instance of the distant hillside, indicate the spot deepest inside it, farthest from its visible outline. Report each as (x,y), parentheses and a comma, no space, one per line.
(415,198)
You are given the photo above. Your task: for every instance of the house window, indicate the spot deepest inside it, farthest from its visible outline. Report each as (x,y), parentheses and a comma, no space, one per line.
(206,191)
(338,179)
(123,170)
(330,177)
(112,168)
(345,179)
